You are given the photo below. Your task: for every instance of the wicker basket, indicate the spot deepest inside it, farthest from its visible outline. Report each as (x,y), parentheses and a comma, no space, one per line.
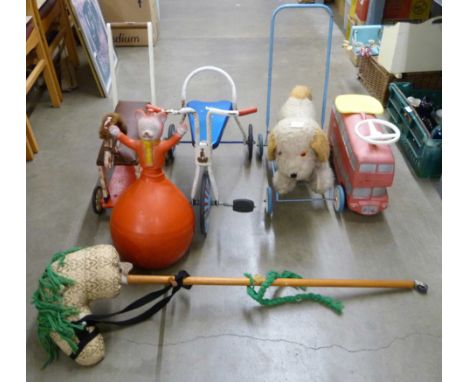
(376,79)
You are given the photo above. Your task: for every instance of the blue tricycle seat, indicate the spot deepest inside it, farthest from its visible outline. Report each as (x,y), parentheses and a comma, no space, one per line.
(218,122)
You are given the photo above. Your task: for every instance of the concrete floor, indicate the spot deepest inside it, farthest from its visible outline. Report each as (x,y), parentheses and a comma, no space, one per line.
(215,333)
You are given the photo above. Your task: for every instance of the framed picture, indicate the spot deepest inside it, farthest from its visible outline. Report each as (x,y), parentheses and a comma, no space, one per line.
(91,28)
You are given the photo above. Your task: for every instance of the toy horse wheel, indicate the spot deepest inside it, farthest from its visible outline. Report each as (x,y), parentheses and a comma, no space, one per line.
(171,153)
(260,147)
(250,142)
(205,203)
(340,198)
(96,201)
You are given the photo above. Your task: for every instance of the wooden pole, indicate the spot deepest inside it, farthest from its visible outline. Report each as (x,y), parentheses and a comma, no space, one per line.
(282,282)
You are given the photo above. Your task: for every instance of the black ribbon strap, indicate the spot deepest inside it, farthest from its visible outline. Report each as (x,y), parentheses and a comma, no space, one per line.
(85,336)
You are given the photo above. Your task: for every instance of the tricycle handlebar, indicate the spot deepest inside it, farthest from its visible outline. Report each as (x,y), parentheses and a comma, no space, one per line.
(246,111)
(232,113)
(157,109)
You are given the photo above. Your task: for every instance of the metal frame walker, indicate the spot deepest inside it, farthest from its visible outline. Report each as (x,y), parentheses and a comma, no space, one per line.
(271,197)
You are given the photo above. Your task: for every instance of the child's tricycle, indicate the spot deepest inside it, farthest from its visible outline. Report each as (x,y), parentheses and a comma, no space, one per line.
(204,142)
(118,166)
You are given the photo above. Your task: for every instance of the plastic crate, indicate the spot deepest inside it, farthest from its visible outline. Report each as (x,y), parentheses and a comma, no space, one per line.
(422,152)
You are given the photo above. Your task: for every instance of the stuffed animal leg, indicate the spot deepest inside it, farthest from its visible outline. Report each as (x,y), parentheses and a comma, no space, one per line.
(283,183)
(322,177)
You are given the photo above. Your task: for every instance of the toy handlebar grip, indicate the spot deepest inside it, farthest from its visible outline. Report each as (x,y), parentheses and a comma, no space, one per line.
(153,109)
(249,110)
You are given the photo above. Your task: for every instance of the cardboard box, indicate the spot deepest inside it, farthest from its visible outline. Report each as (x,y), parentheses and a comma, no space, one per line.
(408,47)
(129,18)
(395,10)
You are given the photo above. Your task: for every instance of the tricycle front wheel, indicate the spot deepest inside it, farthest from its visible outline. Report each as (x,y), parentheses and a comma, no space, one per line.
(205,203)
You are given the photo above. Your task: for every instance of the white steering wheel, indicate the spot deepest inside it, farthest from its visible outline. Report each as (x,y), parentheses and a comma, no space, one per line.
(375,136)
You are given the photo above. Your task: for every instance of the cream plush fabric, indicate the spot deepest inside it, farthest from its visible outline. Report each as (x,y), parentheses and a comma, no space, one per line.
(299,146)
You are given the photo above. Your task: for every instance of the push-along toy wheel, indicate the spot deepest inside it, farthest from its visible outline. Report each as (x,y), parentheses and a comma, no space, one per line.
(269,201)
(205,203)
(250,142)
(375,136)
(339,198)
(96,201)
(260,146)
(171,153)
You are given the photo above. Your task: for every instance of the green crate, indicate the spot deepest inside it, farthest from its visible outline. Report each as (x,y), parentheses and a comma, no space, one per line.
(422,152)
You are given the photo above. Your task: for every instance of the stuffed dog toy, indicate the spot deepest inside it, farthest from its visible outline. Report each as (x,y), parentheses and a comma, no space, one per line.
(299,146)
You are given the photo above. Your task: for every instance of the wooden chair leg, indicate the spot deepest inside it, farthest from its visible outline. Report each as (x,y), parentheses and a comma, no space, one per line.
(69,39)
(31,138)
(50,75)
(29,151)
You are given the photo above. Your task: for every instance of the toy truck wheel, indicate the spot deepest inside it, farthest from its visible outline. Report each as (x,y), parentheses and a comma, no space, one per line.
(269,201)
(205,203)
(250,142)
(96,201)
(260,147)
(171,153)
(339,198)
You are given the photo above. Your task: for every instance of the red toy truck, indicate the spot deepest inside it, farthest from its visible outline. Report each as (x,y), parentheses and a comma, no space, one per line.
(363,161)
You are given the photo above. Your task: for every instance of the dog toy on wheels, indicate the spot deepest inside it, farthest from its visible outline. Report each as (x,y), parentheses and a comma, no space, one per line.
(76,277)
(298,149)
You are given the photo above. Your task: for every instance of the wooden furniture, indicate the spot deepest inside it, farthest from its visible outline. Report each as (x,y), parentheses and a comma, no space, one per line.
(52,19)
(39,59)
(36,54)
(31,144)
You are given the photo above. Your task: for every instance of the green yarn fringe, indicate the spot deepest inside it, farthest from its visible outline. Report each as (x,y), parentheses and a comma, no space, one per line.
(335,305)
(52,314)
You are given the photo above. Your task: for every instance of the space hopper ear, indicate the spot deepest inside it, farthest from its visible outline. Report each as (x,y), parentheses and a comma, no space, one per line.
(320,145)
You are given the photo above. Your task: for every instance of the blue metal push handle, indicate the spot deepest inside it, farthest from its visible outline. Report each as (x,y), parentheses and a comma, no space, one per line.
(327,63)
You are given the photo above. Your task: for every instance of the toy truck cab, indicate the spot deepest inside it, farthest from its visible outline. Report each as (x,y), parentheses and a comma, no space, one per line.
(364,167)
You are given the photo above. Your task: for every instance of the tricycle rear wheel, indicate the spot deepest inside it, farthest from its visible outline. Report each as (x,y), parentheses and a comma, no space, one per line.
(250,142)
(171,153)
(96,201)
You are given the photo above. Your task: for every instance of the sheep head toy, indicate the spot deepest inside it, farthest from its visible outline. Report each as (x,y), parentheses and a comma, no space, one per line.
(299,146)
(70,282)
